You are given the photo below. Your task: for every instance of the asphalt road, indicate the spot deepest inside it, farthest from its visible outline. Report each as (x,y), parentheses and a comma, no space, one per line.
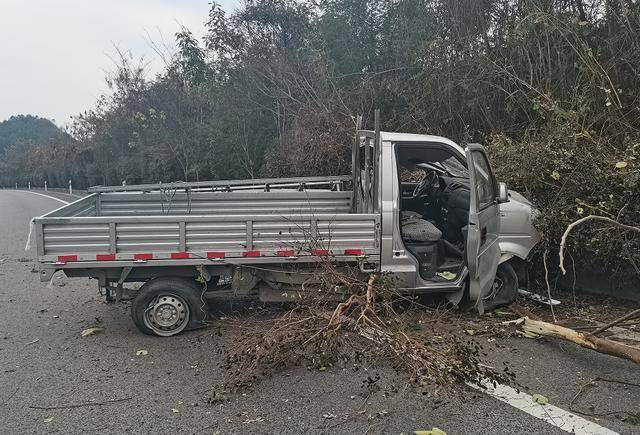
(44,362)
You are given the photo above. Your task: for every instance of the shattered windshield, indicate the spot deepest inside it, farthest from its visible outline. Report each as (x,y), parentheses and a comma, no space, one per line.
(454,167)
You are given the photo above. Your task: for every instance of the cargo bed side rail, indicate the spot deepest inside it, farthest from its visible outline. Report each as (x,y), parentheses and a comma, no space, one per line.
(75,242)
(265,184)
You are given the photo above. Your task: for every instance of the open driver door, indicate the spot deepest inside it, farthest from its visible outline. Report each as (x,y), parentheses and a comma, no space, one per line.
(482,249)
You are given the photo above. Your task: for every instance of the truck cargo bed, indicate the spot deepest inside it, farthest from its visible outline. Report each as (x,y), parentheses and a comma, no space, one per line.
(172,227)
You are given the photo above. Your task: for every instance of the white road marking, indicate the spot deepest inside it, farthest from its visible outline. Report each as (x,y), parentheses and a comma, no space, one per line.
(42,194)
(558,417)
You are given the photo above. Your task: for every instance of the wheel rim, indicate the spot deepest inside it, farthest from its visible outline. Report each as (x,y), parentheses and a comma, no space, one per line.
(498,284)
(167,315)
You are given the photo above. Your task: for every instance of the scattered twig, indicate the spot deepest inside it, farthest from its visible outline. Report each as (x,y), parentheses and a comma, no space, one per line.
(4,402)
(592,383)
(33,342)
(371,322)
(572,408)
(616,381)
(523,312)
(80,405)
(627,316)
(371,426)
(573,282)
(546,278)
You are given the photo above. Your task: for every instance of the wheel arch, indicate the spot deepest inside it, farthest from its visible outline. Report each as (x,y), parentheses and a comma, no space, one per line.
(520,265)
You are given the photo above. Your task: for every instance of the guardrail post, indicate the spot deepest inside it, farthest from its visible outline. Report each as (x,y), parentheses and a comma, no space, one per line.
(70,188)
(29,185)
(45,187)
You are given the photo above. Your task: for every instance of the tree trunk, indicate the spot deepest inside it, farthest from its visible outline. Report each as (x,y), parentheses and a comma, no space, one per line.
(585,340)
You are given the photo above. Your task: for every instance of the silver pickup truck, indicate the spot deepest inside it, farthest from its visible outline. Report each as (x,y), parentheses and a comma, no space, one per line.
(452,229)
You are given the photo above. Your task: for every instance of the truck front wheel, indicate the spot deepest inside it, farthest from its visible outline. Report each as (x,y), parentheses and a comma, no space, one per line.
(503,291)
(505,288)
(168,306)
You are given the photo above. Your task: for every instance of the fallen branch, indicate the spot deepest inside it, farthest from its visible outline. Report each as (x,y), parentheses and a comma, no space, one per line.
(546,279)
(522,311)
(372,322)
(592,383)
(80,405)
(591,217)
(627,316)
(585,340)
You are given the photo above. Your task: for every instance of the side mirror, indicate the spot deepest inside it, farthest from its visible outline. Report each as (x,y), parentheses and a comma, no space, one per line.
(503,193)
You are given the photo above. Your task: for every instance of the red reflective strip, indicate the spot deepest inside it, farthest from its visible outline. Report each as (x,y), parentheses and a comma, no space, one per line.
(353,252)
(179,255)
(215,254)
(285,253)
(251,254)
(319,252)
(106,257)
(65,258)
(145,256)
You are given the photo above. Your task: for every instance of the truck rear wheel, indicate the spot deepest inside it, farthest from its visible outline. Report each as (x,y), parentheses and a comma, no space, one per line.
(168,306)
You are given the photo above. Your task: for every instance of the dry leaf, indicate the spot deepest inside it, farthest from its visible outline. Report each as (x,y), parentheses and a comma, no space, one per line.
(90,331)
(539,398)
(446,275)
(528,334)
(142,352)
(48,419)
(433,431)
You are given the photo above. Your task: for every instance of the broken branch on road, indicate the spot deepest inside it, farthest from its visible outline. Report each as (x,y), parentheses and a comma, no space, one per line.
(589,341)
(372,320)
(593,383)
(633,314)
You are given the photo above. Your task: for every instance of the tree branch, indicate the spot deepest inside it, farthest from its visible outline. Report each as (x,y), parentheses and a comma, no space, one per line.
(583,220)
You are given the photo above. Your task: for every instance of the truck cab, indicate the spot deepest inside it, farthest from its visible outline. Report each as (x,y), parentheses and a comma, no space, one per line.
(441,215)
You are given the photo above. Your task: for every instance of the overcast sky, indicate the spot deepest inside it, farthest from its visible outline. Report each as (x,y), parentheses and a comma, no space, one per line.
(54,53)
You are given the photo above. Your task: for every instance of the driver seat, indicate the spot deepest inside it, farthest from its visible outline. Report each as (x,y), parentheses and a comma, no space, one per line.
(416,229)
(424,240)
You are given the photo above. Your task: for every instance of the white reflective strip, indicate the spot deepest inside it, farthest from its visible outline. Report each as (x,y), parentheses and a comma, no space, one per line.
(32,225)
(42,194)
(565,420)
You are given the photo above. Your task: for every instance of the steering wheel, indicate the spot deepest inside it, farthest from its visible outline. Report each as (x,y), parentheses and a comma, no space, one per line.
(427,186)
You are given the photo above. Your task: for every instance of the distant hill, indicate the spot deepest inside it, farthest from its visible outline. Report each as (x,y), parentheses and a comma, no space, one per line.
(22,129)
